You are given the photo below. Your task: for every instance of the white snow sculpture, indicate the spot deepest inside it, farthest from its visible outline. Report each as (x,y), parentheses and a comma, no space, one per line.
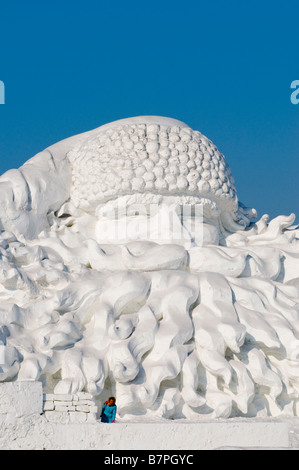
(173,326)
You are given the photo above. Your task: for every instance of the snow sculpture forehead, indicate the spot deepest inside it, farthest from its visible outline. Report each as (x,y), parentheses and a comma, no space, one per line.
(149,155)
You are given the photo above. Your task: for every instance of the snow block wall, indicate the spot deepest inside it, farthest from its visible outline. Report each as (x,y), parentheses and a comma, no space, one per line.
(33,420)
(21,399)
(72,408)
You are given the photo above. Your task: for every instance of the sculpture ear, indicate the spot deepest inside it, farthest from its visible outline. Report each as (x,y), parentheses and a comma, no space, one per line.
(27,195)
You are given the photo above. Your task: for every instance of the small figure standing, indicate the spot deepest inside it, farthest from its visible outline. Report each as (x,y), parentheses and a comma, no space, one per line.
(109,411)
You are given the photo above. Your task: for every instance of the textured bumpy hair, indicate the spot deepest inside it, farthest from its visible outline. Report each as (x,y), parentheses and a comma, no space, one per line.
(149,158)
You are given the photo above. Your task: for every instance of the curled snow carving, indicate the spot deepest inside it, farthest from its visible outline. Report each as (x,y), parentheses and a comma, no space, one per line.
(173,326)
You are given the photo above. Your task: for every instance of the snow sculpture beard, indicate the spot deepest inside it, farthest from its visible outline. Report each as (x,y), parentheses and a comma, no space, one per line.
(169,330)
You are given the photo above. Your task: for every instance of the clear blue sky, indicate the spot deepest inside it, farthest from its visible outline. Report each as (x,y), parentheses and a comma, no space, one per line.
(223,67)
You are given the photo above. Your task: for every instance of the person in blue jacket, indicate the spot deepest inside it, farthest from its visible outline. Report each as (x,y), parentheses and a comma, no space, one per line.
(109,411)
